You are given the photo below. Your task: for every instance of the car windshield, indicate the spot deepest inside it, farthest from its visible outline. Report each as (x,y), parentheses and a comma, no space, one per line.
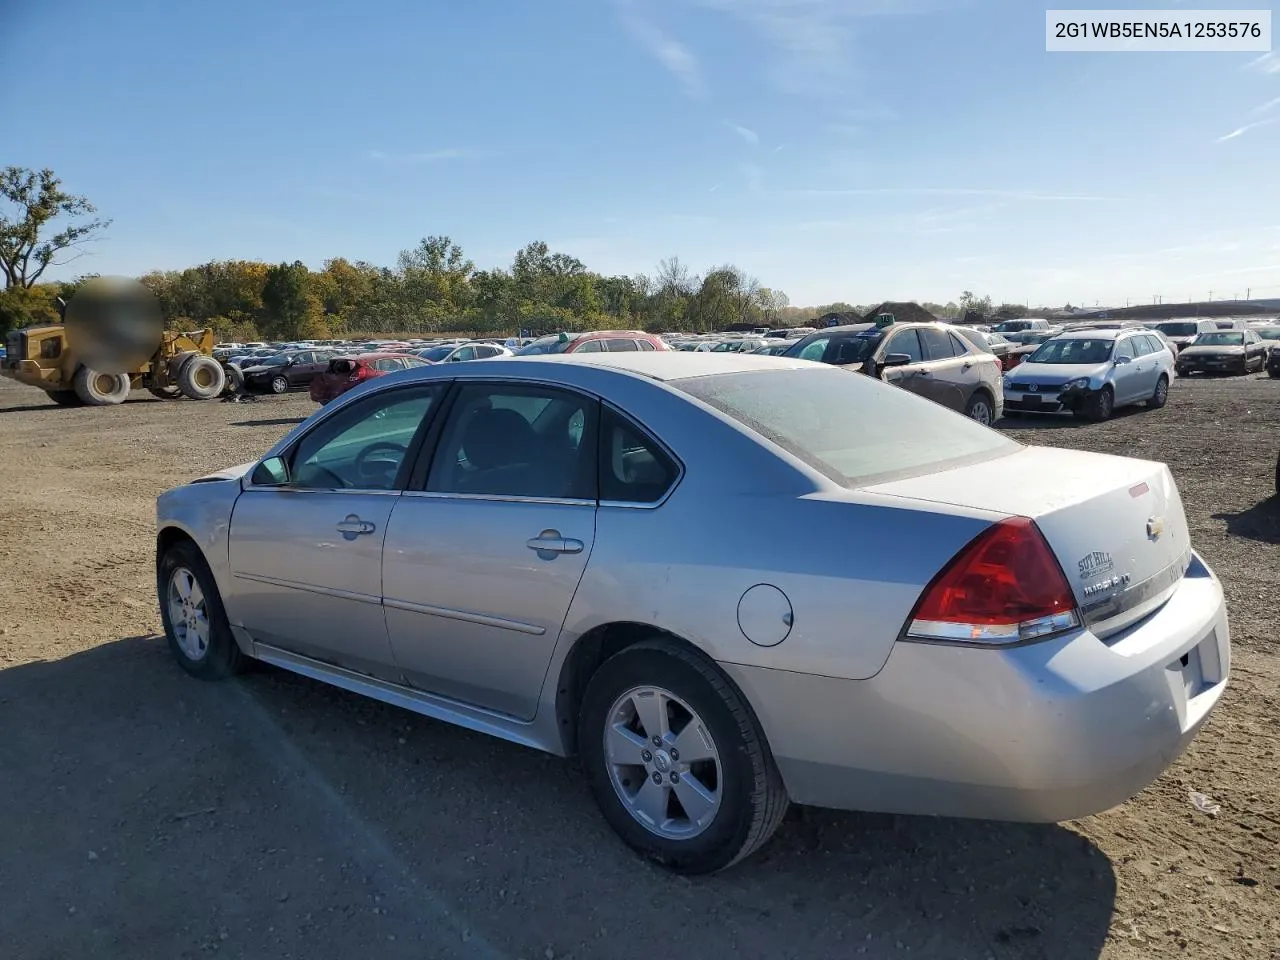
(1223,339)
(842,348)
(544,345)
(1012,326)
(1177,329)
(1268,333)
(808,414)
(1073,350)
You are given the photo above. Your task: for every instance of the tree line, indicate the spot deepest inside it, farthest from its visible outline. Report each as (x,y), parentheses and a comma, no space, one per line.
(432,288)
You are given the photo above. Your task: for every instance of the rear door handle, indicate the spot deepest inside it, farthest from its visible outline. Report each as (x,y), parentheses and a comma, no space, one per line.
(353,526)
(550,542)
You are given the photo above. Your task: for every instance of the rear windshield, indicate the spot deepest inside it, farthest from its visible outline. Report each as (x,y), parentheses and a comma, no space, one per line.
(852,428)
(1073,350)
(1220,340)
(1176,329)
(544,345)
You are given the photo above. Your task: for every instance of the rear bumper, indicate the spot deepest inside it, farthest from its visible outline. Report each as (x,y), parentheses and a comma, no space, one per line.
(1045,732)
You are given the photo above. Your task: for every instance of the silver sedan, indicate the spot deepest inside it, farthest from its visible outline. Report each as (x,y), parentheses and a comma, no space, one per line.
(727,582)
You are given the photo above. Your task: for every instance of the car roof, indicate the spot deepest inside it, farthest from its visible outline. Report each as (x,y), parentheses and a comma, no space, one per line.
(664,365)
(1105,333)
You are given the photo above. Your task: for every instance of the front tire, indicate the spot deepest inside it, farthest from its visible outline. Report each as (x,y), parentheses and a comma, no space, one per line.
(101,389)
(677,760)
(1100,406)
(195,623)
(1161,395)
(201,377)
(279,384)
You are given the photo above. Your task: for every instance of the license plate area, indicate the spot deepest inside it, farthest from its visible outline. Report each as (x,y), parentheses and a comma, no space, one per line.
(1190,670)
(1031,399)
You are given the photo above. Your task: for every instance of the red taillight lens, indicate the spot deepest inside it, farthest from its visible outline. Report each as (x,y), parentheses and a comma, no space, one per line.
(1004,587)
(359,372)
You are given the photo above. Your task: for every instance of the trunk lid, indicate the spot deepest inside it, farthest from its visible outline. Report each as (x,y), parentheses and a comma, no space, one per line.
(1115,524)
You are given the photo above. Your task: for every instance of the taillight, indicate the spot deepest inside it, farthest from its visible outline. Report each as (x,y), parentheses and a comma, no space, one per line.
(359,372)
(1005,586)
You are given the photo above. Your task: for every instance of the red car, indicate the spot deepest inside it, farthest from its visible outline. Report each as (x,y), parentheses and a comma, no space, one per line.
(347,372)
(594,341)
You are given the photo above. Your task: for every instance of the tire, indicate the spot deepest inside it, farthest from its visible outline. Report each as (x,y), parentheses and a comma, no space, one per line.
(1100,406)
(101,389)
(66,398)
(201,377)
(751,797)
(1161,395)
(980,408)
(218,656)
(280,384)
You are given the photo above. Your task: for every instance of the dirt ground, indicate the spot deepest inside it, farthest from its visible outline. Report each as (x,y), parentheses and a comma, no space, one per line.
(145,814)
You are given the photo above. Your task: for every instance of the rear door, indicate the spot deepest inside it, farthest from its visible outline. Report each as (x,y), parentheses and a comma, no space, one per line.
(951,374)
(483,557)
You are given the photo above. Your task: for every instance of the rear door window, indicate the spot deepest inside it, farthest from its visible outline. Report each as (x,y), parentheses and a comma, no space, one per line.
(619,345)
(937,343)
(634,468)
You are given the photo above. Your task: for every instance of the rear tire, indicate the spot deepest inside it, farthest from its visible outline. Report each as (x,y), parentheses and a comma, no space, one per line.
(195,625)
(101,389)
(1161,395)
(66,398)
(980,408)
(749,797)
(201,377)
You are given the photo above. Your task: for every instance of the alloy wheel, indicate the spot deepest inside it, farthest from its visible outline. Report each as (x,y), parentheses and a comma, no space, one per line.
(188,614)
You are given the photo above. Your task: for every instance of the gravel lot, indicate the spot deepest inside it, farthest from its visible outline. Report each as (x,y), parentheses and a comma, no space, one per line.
(144,814)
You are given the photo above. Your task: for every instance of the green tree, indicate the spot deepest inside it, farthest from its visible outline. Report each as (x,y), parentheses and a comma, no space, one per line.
(34,201)
(971,302)
(291,309)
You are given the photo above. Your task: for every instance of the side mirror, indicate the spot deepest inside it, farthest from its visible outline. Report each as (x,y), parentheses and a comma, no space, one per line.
(272,472)
(896,360)
(1123,360)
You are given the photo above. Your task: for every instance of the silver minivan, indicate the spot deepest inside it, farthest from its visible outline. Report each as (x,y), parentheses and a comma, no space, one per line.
(1090,373)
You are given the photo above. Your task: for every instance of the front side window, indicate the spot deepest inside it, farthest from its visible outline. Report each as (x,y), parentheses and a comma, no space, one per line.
(633,467)
(591,346)
(908,342)
(1124,348)
(364,446)
(513,440)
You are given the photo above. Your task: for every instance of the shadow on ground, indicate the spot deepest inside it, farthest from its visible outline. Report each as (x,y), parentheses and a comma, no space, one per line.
(1038,421)
(278,422)
(1260,522)
(144,813)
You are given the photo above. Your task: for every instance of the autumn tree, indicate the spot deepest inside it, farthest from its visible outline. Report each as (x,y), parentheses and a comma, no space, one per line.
(33,203)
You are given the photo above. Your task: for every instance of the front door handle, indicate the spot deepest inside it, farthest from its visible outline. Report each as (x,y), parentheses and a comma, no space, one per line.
(353,527)
(549,543)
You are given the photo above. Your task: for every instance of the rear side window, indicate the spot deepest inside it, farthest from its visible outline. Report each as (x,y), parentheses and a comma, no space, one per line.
(937,343)
(645,345)
(962,345)
(620,345)
(633,466)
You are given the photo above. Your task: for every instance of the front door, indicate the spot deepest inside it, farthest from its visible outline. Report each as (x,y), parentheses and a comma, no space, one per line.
(307,553)
(480,566)
(305,366)
(1127,378)
(913,376)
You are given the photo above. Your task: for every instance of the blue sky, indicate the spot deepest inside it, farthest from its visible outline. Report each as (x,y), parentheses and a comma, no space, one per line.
(838,149)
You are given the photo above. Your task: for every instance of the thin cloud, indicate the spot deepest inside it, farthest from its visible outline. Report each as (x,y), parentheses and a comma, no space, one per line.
(746,133)
(1267,63)
(674,56)
(1264,108)
(1241,131)
(425,156)
(949,192)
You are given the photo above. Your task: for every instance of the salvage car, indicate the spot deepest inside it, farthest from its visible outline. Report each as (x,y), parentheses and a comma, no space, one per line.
(283,372)
(924,358)
(552,551)
(1090,373)
(346,373)
(1223,351)
(1181,333)
(594,341)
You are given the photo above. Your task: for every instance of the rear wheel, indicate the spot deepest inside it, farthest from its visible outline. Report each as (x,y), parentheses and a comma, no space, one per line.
(1161,395)
(194,622)
(201,377)
(979,408)
(66,398)
(677,760)
(101,389)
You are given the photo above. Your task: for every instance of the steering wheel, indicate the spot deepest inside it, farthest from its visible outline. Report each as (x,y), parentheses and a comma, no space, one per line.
(389,445)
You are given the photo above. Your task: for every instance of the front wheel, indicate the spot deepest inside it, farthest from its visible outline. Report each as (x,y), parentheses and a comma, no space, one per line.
(1161,395)
(677,760)
(201,377)
(101,389)
(279,385)
(979,408)
(1100,406)
(195,624)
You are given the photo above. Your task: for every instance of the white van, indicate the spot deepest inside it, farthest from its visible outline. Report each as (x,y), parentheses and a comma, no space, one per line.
(1035,324)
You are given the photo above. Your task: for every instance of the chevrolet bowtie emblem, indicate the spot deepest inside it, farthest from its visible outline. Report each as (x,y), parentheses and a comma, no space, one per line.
(1155,527)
